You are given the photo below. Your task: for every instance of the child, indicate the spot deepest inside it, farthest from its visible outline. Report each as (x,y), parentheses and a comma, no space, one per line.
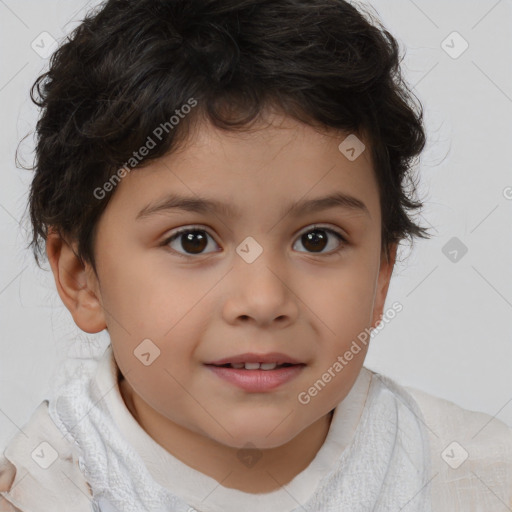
(276,138)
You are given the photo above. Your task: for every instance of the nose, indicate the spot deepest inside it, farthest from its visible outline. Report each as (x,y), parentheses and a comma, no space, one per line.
(261,293)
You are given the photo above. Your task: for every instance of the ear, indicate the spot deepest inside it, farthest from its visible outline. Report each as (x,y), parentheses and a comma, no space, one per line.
(77,284)
(383,279)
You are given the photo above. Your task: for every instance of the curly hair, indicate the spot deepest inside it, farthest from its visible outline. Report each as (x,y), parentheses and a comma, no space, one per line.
(131,64)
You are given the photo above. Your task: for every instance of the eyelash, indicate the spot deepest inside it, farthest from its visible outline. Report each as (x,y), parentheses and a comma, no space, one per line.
(193,229)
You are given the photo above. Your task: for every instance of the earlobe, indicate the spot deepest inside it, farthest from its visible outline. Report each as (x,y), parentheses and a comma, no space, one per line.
(76,284)
(383,280)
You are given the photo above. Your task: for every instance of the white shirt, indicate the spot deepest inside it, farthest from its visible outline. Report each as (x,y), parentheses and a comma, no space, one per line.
(470,456)
(203,492)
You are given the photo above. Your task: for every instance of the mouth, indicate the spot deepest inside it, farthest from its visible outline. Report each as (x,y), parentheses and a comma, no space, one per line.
(254,366)
(249,360)
(257,373)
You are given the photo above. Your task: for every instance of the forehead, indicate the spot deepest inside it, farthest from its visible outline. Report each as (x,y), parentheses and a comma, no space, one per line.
(277,163)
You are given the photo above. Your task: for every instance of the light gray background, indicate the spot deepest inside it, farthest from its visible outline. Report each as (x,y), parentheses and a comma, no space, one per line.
(453,338)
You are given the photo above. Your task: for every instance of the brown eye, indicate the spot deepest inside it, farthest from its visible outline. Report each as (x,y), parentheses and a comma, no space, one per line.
(194,242)
(191,241)
(317,239)
(314,240)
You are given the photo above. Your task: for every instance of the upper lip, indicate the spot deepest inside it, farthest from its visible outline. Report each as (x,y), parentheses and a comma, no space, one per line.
(250,357)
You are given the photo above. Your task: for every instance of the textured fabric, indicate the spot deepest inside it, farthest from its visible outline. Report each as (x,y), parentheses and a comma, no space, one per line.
(195,487)
(47,473)
(480,443)
(387,463)
(384,438)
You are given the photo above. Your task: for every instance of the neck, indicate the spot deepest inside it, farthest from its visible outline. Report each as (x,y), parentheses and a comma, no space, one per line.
(275,467)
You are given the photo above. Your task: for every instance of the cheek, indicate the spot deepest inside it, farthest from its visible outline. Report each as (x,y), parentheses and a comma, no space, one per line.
(145,299)
(343,300)
(160,385)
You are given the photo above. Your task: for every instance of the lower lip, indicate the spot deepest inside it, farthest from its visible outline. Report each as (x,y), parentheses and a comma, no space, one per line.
(256,381)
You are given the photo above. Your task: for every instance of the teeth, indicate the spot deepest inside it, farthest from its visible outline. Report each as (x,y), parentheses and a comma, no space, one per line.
(252,366)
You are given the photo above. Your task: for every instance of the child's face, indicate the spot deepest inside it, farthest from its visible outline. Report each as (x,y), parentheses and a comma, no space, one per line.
(299,297)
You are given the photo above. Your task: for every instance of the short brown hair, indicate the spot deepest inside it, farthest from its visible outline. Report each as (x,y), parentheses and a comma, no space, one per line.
(131,64)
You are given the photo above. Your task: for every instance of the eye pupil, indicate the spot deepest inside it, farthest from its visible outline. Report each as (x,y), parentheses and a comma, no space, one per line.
(316,239)
(197,241)
(194,241)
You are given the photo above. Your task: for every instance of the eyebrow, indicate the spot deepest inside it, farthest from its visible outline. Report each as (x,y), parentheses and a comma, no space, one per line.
(204,205)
